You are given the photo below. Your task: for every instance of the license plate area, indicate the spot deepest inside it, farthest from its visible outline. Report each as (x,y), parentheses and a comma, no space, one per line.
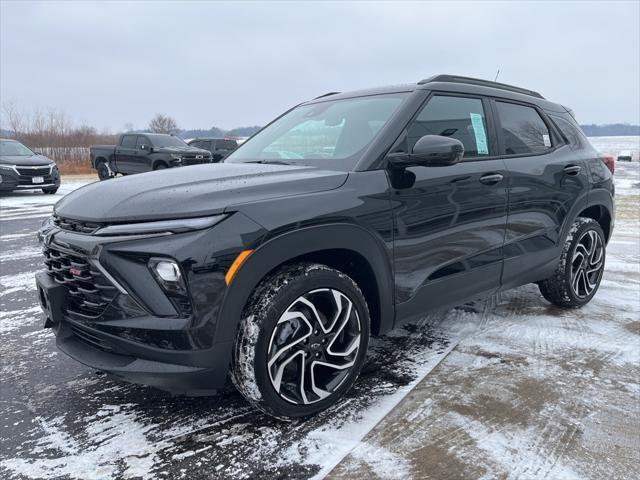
(52,298)
(37,180)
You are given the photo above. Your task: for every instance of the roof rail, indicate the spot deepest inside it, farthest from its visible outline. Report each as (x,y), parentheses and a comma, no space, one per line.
(480,82)
(326,95)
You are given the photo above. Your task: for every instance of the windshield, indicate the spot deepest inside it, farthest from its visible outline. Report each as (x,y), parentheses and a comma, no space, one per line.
(331,134)
(167,141)
(14,149)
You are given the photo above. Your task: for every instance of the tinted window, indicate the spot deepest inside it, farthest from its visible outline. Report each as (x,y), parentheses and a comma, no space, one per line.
(11,148)
(332,133)
(523,129)
(455,117)
(128,141)
(208,145)
(142,141)
(196,144)
(571,130)
(225,144)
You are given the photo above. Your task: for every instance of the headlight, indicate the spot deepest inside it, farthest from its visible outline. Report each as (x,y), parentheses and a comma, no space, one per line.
(176,157)
(164,226)
(8,167)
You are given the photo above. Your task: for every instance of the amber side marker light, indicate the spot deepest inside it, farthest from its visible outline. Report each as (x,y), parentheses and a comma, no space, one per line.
(237,263)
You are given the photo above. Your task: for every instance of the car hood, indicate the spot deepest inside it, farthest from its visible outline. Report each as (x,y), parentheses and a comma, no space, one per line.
(192,191)
(183,150)
(33,160)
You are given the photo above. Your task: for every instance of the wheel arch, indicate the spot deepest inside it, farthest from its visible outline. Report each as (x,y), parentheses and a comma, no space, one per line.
(600,214)
(159,162)
(348,248)
(99,159)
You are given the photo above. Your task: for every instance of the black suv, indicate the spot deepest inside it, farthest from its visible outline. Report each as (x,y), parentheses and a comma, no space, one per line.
(345,217)
(23,169)
(219,147)
(144,152)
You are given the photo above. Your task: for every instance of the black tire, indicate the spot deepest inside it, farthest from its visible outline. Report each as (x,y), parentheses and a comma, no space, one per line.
(50,190)
(103,170)
(160,166)
(567,287)
(307,348)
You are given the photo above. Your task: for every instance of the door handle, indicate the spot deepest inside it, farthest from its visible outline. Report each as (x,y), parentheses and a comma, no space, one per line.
(491,178)
(572,169)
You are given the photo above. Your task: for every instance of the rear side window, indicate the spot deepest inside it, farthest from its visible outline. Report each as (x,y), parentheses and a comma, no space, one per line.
(456,117)
(570,130)
(128,141)
(225,144)
(523,130)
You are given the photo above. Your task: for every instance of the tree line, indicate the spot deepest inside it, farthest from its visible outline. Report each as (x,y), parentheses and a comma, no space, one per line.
(52,133)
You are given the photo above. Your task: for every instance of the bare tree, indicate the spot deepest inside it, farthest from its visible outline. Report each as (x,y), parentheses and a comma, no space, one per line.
(13,119)
(163,124)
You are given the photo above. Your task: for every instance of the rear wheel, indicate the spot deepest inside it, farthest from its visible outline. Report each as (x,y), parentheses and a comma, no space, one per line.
(302,341)
(581,266)
(103,171)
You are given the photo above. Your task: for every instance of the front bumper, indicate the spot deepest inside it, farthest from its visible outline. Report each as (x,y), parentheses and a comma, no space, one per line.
(135,330)
(22,178)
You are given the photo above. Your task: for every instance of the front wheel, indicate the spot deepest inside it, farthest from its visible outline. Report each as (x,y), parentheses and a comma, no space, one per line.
(302,341)
(50,190)
(578,275)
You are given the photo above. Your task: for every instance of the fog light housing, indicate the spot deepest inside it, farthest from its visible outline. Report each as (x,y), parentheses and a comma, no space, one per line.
(168,270)
(168,274)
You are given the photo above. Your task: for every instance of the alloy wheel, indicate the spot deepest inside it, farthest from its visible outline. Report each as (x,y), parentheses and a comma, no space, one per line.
(313,346)
(587,264)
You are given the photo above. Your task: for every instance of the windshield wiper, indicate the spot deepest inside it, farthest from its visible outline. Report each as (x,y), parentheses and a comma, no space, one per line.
(272,162)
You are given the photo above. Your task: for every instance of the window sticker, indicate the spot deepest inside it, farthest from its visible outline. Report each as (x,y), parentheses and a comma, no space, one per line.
(546,140)
(481,136)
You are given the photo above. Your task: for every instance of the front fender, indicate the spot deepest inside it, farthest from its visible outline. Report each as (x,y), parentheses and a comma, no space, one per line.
(288,246)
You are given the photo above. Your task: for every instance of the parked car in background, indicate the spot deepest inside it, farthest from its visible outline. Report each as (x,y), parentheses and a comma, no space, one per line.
(144,152)
(349,215)
(624,156)
(219,147)
(23,169)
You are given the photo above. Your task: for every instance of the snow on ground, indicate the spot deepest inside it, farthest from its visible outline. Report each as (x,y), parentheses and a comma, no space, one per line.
(614,145)
(24,204)
(507,387)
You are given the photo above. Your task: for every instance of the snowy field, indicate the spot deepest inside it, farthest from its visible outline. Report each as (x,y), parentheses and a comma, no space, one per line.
(614,145)
(510,387)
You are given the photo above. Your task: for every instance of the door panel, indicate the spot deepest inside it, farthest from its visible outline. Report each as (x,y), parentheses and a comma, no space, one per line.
(449,221)
(449,231)
(543,194)
(547,184)
(125,154)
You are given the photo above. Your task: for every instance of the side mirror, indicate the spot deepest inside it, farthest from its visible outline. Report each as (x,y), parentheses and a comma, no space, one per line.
(430,151)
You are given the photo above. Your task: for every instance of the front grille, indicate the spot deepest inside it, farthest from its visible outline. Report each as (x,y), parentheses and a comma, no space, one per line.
(89,291)
(76,225)
(34,172)
(192,160)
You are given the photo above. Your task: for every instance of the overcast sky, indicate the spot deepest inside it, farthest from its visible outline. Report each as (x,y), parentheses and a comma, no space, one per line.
(236,64)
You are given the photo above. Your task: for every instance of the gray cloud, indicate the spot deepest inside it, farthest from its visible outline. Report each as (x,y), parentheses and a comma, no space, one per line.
(230,64)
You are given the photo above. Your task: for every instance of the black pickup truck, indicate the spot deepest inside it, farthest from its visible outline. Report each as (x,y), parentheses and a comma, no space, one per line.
(137,153)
